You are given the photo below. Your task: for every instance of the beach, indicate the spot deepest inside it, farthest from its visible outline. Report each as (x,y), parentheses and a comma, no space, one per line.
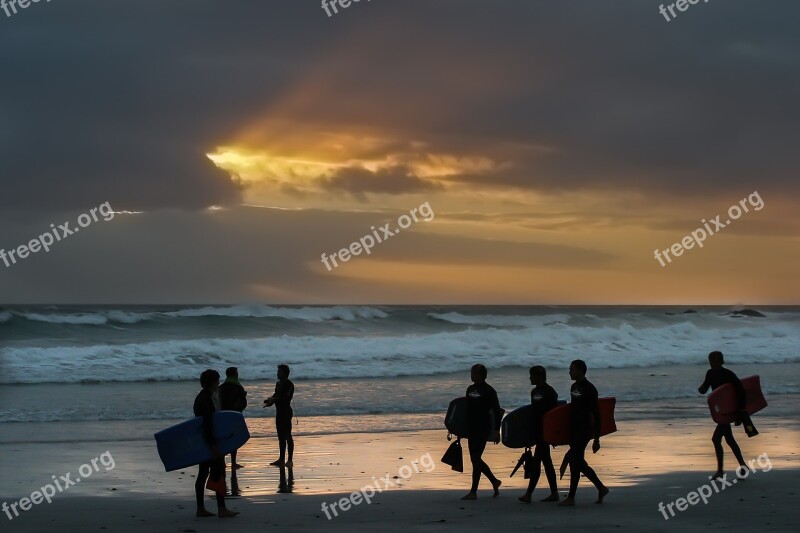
(646,462)
(93,384)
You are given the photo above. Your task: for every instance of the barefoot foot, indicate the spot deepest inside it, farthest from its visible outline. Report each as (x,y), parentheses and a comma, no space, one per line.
(567,502)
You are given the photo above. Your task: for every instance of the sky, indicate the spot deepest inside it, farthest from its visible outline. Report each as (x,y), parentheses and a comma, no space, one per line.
(557,145)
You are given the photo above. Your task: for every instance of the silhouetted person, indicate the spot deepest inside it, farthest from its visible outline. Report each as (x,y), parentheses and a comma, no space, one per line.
(481,403)
(543,398)
(282,400)
(215,467)
(585,425)
(717,376)
(232,397)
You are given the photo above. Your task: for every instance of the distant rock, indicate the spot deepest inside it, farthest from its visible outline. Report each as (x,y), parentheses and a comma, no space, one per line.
(746,312)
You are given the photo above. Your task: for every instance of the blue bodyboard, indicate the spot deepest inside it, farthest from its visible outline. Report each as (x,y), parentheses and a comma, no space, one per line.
(183,445)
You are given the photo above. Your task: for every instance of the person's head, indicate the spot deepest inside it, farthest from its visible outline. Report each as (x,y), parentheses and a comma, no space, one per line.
(577,370)
(538,375)
(232,372)
(209,379)
(715,359)
(478,373)
(283,371)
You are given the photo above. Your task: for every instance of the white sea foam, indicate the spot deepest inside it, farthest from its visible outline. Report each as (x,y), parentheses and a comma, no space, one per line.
(384,356)
(501,320)
(308,314)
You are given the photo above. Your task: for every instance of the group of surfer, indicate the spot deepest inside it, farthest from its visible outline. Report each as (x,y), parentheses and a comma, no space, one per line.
(483,407)
(231,396)
(484,420)
(485,414)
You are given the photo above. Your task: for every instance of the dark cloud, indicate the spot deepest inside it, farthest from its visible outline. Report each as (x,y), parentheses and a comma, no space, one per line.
(222,256)
(120,102)
(393,180)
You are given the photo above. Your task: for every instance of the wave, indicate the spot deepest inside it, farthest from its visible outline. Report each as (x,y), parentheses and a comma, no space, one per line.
(331,356)
(99,318)
(525,321)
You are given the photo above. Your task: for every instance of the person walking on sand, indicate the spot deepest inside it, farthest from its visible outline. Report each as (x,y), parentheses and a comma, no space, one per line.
(482,403)
(585,424)
(232,397)
(716,376)
(543,398)
(282,400)
(215,467)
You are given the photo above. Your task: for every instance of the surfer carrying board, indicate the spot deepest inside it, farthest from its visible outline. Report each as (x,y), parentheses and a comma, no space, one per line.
(215,468)
(585,426)
(282,400)
(543,398)
(482,403)
(716,376)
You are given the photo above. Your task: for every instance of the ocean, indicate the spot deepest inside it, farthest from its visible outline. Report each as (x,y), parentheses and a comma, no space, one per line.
(377,368)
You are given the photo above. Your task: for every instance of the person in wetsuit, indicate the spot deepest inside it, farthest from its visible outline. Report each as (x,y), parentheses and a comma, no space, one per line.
(282,400)
(482,403)
(716,376)
(543,398)
(232,397)
(585,426)
(215,467)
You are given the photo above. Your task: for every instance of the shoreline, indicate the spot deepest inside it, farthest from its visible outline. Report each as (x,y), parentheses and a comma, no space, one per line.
(642,464)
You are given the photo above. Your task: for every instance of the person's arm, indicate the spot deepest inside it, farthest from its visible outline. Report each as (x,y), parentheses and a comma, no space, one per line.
(595,408)
(242,399)
(740,392)
(552,400)
(702,389)
(269,402)
(206,410)
(498,411)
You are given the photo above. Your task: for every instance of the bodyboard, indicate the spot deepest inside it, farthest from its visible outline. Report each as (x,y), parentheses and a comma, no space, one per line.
(457,419)
(557,430)
(183,445)
(724,407)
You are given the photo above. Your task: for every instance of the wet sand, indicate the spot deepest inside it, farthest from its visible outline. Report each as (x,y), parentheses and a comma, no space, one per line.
(644,463)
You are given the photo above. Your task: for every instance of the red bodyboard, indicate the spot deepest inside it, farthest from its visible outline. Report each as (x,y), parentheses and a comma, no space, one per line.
(557,422)
(722,402)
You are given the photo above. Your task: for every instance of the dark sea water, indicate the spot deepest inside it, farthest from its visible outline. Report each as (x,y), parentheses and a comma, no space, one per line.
(142,362)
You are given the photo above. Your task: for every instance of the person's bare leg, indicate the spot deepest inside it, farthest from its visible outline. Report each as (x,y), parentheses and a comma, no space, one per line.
(234,464)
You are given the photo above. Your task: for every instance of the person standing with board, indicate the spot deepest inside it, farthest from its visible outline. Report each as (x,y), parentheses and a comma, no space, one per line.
(543,398)
(482,403)
(585,425)
(215,468)
(233,397)
(716,376)
(282,400)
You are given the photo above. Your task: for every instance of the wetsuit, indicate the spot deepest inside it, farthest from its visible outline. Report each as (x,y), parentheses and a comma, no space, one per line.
(585,425)
(717,377)
(482,402)
(204,406)
(284,391)
(543,398)
(232,397)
